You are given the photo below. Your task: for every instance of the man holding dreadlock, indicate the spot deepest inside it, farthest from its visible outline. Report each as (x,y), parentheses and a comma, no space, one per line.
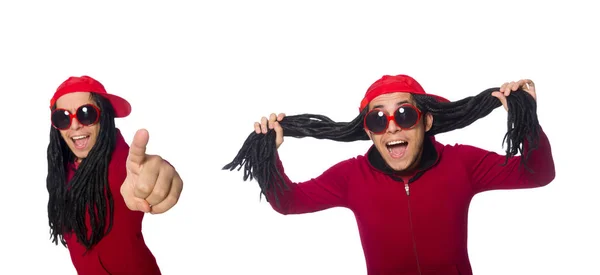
(99,188)
(409,193)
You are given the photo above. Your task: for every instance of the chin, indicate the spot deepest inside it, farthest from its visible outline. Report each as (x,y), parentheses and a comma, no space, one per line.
(78,153)
(400,165)
(82,156)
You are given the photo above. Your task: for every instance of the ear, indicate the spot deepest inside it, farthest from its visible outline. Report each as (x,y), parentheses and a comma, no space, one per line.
(428,121)
(369,134)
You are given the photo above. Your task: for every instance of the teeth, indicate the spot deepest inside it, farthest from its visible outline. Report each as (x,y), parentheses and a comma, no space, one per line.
(79,137)
(396,142)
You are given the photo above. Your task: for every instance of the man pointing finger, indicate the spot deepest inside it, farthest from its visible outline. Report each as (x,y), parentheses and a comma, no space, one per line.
(95,180)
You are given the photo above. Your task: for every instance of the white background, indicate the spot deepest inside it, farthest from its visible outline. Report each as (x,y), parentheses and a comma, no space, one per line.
(199,75)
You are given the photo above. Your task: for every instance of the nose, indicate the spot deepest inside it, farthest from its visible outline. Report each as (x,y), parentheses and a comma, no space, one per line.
(75,125)
(392,126)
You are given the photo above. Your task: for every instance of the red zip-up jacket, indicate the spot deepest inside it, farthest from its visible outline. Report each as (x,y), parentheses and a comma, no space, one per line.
(122,250)
(417,224)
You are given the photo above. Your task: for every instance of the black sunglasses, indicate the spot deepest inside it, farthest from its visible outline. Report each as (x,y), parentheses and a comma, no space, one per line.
(406,117)
(87,114)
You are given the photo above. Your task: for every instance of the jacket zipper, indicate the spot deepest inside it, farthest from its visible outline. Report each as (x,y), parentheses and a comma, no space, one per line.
(407,188)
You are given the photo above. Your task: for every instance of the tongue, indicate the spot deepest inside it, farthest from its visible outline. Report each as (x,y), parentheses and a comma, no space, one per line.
(397,151)
(80,143)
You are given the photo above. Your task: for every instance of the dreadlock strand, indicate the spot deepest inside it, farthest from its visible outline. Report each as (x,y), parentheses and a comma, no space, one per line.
(58,159)
(522,123)
(258,153)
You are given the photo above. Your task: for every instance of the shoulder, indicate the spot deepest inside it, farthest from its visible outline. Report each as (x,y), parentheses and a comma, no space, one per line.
(350,163)
(348,166)
(362,159)
(463,153)
(459,148)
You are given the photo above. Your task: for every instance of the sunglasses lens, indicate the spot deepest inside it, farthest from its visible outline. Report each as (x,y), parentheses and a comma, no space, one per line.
(61,119)
(87,115)
(376,121)
(406,117)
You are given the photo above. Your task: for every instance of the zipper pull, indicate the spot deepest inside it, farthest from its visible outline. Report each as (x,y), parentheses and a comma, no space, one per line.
(407,189)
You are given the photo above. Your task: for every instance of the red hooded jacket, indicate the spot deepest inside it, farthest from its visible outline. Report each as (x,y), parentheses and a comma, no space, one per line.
(122,250)
(415,225)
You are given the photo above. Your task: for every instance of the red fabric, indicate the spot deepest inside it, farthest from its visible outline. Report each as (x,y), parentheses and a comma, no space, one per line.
(88,84)
(437,204)
(392,84)
(123,250)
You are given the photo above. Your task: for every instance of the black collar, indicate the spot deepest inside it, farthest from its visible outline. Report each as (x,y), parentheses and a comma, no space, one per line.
(428,159)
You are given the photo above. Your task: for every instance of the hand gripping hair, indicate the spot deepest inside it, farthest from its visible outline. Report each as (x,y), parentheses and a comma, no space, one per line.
(258,153)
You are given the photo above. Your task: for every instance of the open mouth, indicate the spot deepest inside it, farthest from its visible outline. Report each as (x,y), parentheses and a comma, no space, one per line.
(80,142)
(397,148)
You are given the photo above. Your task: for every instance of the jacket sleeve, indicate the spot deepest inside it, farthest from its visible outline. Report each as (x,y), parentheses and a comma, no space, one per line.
(488,172)
(325,191)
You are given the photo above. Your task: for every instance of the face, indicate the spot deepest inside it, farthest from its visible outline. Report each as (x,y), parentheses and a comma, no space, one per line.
(80,138)
(400,148)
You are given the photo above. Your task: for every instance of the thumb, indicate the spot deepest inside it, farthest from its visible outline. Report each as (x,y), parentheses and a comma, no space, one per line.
(137,150)
(278,134)
(502,99)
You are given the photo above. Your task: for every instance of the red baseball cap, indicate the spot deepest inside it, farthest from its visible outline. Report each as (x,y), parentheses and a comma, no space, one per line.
(87,84)
(392,84)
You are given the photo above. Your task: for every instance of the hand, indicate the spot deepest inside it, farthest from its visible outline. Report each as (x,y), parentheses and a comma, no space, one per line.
(152,185)
(271,123)
(508,87)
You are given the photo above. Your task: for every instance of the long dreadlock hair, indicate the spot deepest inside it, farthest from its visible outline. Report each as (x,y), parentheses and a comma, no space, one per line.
(258,153)
(88,191)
